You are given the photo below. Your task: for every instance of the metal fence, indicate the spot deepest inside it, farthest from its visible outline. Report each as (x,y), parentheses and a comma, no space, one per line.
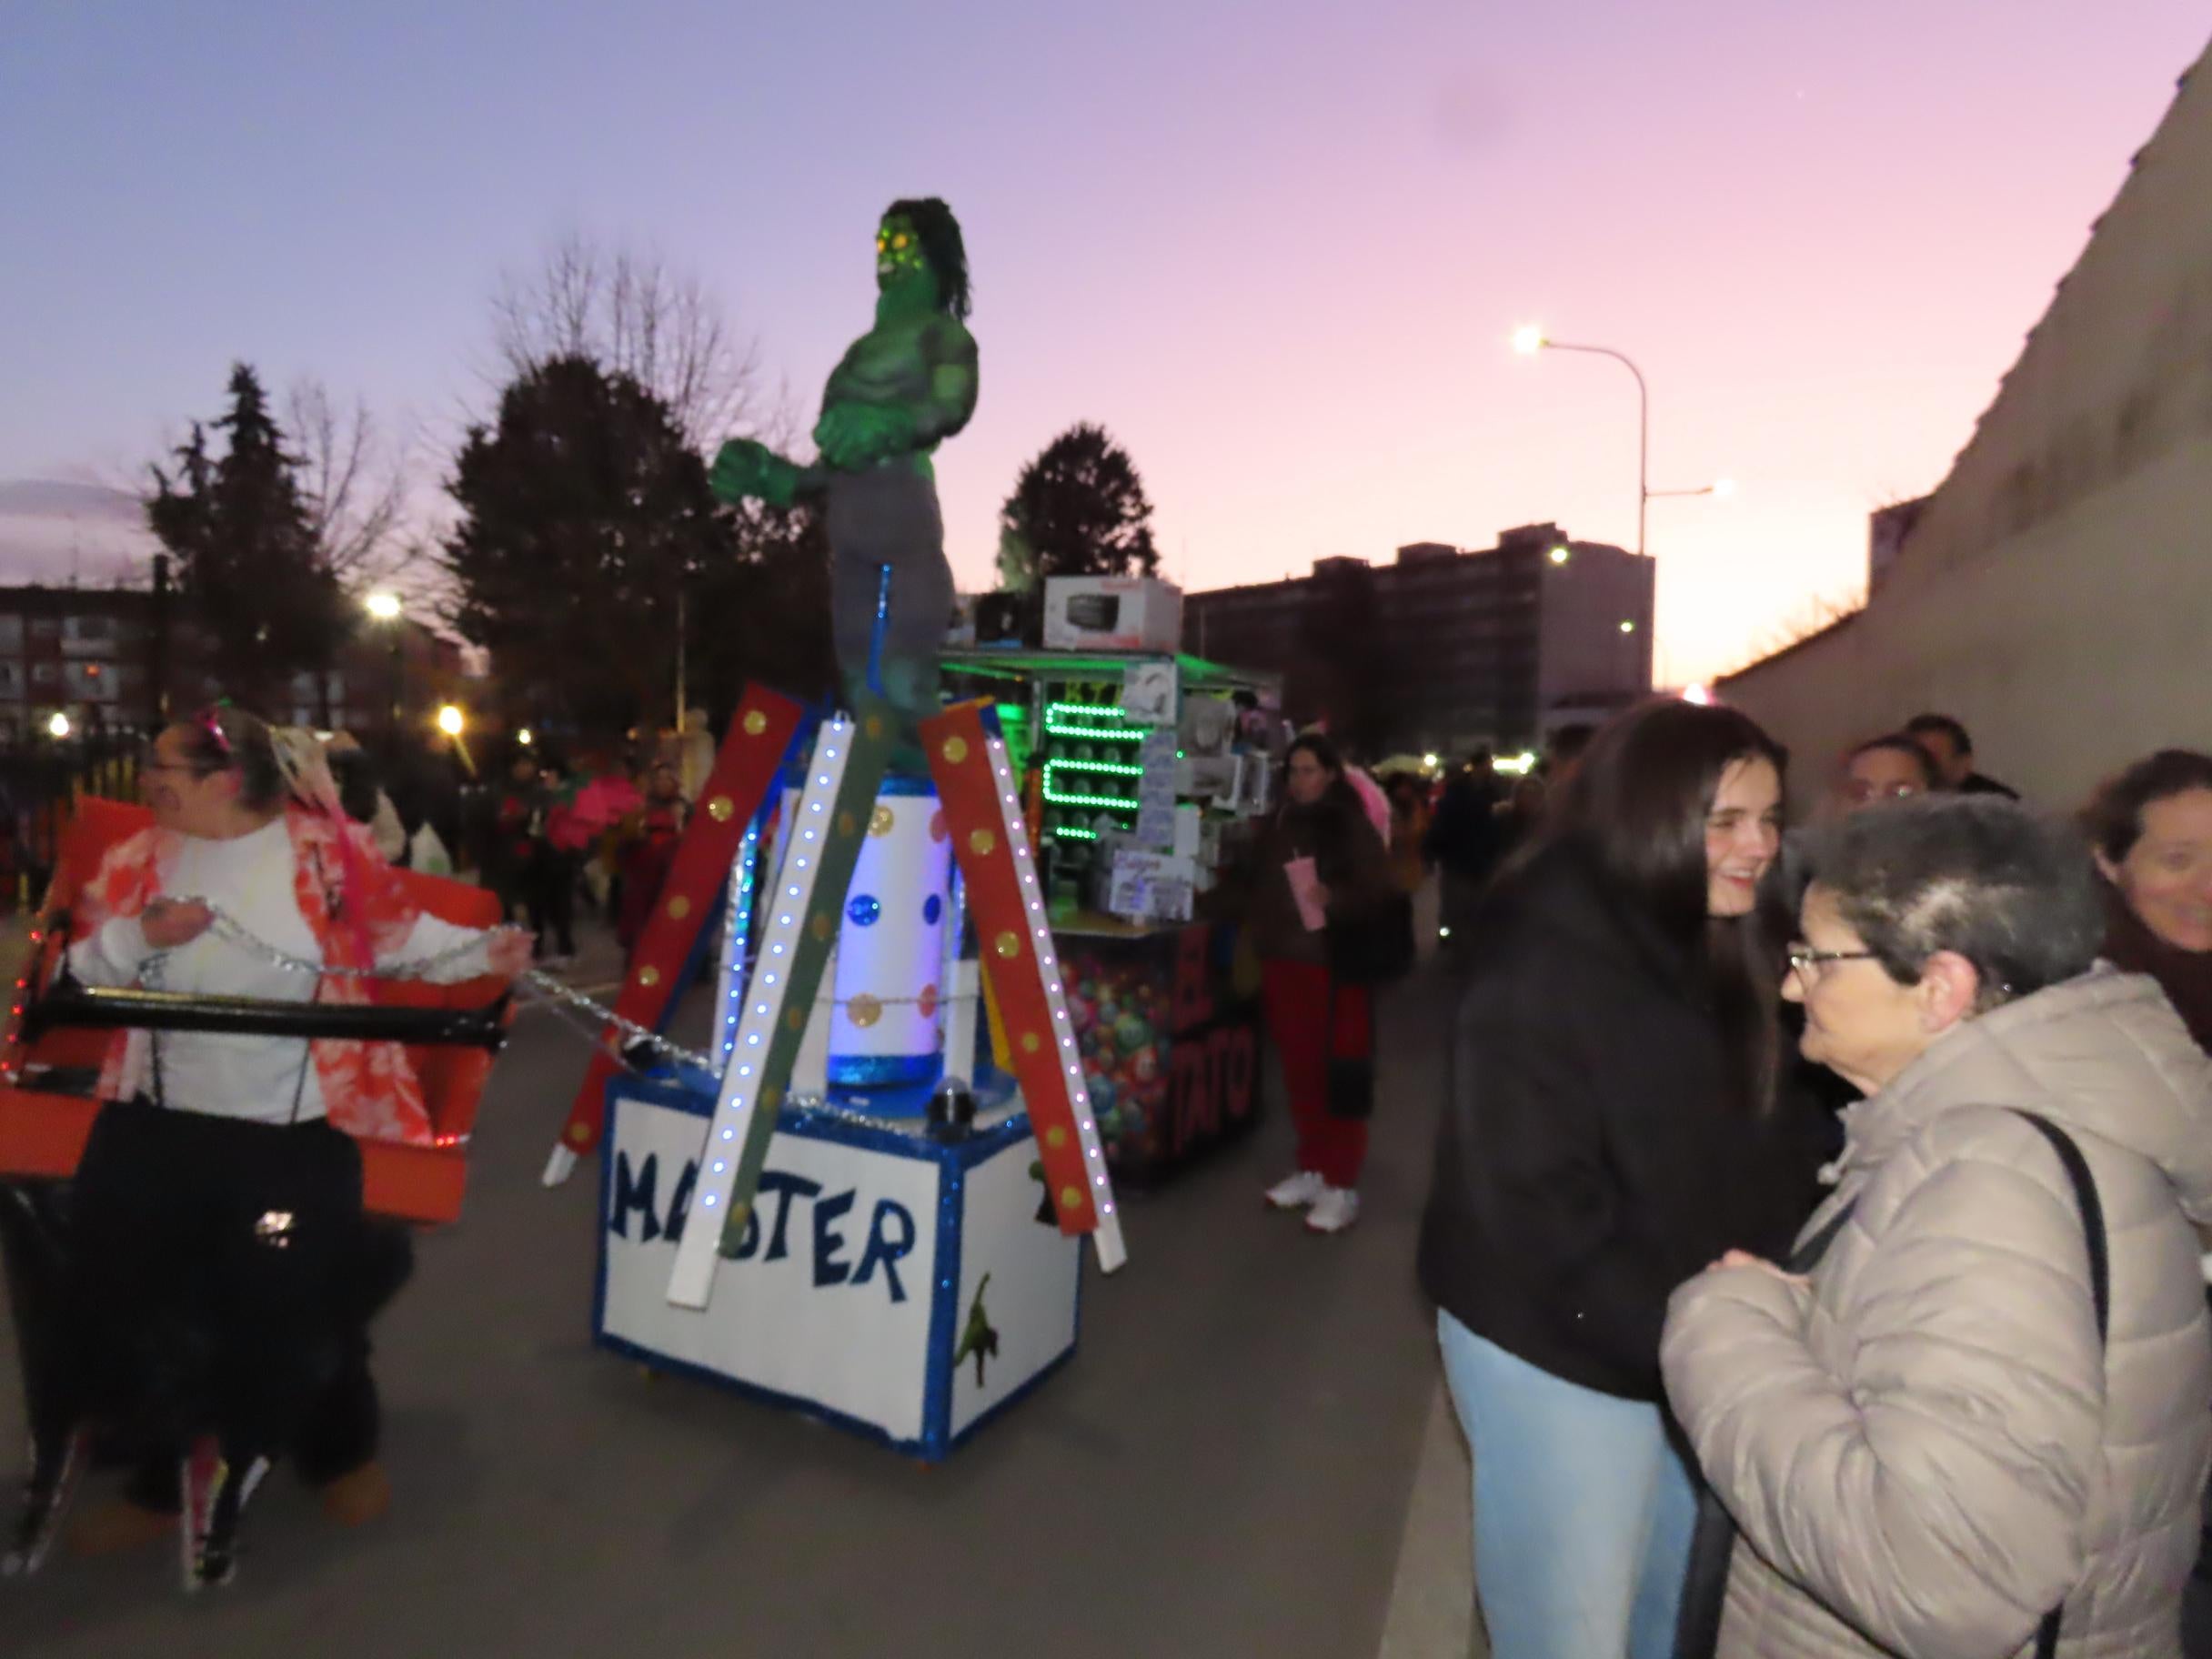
(38,786)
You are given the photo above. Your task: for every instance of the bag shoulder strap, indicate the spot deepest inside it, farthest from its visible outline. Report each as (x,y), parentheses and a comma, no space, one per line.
(2092,1208)
(1808,1256)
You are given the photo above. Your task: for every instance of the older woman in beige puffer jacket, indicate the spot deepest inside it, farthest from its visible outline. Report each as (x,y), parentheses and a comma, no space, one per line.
(1922,1444)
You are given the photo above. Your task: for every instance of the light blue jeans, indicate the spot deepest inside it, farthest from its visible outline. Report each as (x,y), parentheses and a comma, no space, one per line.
(1582,1512)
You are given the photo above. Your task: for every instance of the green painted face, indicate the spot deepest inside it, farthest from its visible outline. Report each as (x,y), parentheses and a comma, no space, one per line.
(898,256)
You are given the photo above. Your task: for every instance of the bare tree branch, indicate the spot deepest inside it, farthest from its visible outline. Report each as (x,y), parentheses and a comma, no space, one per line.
(626,310)
(355,484)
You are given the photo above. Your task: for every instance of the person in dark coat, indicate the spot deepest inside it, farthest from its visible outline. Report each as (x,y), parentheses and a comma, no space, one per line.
(1951,753)
(1467,838)
(1614,1123)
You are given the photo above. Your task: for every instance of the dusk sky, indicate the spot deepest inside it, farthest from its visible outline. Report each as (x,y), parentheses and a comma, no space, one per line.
(1277,249)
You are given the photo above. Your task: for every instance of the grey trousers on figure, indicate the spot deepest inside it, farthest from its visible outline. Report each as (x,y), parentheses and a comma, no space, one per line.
(888,516)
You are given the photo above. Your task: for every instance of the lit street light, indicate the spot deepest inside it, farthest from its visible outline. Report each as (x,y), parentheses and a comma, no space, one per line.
(1530,340)
(525,738)
(57,726)
(384,607)
(450,721)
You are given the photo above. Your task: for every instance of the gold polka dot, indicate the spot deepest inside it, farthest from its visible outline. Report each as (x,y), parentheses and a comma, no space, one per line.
(880,821)
(982,843)
(1070,1198)
(822,926)
(845,824)
(580,1134)
(1056,1136)
(719,809)
(874,727)
(648,977)
(739,1215)
(772,1098)
(1008,946)
(1030,1043)
(680,907)
(796,1019)
(863,1012)
(755,723)
(955,750)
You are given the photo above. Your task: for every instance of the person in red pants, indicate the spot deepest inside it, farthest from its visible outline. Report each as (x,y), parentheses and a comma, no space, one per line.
(1320,861)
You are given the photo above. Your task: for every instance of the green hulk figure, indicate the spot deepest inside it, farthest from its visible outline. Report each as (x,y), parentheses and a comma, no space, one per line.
(902,390)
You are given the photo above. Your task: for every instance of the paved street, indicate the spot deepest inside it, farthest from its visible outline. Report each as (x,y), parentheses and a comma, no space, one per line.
(1225,1468)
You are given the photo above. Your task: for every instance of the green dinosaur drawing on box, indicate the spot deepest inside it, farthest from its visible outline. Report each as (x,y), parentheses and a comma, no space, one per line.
(977,1338)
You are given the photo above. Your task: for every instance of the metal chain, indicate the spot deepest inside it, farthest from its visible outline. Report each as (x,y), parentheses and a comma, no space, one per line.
(551,994)
(229,928)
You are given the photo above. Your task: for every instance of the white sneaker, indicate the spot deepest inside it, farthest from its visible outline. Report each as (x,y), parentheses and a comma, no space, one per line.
(1297,1191)
(1336,1209)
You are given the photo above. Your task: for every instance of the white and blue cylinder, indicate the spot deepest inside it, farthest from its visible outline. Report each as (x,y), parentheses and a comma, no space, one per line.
(888,1029)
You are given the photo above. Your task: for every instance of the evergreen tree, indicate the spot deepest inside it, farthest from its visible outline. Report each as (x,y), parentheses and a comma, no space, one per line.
(584,517)
(1081,510)
(251,574)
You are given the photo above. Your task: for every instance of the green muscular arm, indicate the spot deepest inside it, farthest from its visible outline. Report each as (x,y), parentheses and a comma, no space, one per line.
(747,471)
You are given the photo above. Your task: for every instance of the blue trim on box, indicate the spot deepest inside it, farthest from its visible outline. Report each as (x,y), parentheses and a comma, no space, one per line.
(886,1070)
(954,1159)
(944,1308)
(896,784)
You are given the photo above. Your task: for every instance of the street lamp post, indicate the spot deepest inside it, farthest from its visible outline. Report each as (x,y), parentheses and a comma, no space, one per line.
(1529,341)
(387,610)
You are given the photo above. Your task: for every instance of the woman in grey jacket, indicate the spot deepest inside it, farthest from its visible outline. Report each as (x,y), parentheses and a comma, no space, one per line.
(1924,1443)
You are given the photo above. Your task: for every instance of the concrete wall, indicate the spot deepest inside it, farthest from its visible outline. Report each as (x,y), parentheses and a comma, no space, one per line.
(2057,593)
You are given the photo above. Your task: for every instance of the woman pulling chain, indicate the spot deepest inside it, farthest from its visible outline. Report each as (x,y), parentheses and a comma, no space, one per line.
(216,1213)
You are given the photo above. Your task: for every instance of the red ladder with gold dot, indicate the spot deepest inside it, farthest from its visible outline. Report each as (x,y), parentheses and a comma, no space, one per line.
(752,759)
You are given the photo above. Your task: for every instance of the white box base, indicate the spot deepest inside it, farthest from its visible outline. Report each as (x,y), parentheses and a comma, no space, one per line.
(870,1251)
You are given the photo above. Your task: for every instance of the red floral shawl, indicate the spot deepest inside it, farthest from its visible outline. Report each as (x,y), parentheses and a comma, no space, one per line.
(357,909)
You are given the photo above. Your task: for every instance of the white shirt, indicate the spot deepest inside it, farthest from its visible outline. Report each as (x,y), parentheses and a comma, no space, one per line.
(232,1074)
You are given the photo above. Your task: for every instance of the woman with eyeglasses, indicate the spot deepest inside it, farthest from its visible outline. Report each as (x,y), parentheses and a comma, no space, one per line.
(1891,767)
(1973,1413)
(216,1216)
(1615,1121)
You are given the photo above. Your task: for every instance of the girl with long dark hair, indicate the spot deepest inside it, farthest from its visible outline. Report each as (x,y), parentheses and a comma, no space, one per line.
(1613,1126)
(1320,861)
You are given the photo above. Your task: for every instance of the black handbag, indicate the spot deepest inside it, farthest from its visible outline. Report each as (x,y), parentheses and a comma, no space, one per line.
(1375,948)
(1697,1632)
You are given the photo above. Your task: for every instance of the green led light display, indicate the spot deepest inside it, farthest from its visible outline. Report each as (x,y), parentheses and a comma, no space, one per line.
(1097,734)
(1102,711)
(1109,768)
(1060,799)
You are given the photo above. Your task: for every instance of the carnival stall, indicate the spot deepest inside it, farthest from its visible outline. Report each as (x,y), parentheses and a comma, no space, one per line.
(1142,771)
